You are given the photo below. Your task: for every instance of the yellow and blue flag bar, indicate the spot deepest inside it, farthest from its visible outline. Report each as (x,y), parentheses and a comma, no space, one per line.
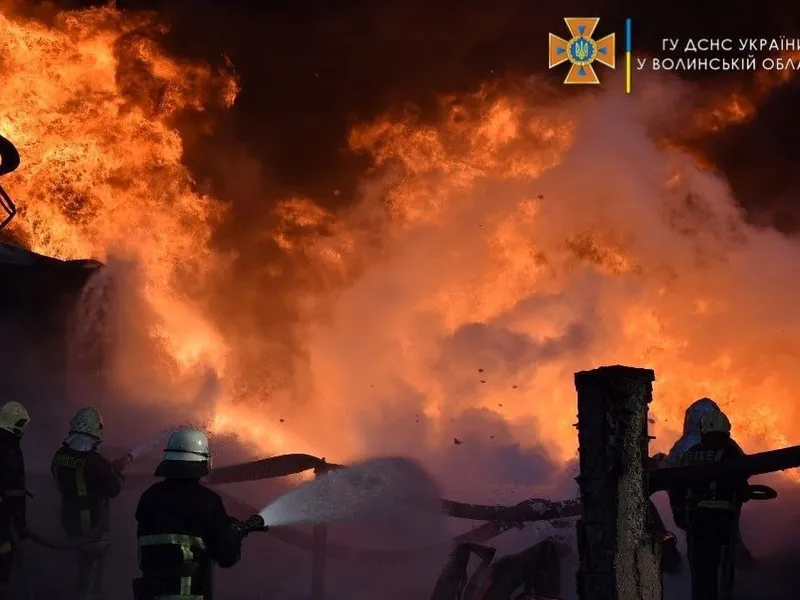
(627,56)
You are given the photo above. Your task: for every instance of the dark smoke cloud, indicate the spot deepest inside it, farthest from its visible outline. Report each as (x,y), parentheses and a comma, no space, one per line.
(498,349)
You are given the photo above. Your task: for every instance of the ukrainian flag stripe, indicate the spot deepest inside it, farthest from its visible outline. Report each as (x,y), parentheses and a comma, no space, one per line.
(627,56)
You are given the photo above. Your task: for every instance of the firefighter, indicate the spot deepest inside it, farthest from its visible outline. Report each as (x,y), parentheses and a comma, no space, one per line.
(87,482)
(14,420)
(691,436)
(183,527)
(710,512)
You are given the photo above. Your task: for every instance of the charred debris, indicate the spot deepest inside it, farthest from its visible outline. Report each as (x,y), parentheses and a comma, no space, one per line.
(38,293)
(33,282)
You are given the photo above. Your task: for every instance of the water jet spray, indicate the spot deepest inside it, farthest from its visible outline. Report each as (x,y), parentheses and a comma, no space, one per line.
(377,490)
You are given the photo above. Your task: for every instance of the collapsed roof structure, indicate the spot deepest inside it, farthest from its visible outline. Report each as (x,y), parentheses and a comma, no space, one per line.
(37,293)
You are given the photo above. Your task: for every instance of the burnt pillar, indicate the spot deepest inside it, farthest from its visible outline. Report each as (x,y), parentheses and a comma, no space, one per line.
(619,559)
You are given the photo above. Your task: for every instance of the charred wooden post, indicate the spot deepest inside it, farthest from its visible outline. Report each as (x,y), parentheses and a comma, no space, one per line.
(619,559)
(319,553)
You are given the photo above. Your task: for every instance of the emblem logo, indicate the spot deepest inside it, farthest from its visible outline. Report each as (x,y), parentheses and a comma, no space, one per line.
(581,50)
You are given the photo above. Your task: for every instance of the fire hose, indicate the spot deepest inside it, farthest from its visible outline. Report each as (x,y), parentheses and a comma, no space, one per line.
(19,553)
(60,546)
(91,538)
(19,558)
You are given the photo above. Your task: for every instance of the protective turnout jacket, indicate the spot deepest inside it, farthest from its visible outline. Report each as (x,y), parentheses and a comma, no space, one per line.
(87,482)
(183,528)
(726,493)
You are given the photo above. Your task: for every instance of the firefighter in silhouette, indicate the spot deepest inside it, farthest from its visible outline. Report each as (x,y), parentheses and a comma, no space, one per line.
(691,436)
(709,511)
(87,482)
(14,420)
(183,527)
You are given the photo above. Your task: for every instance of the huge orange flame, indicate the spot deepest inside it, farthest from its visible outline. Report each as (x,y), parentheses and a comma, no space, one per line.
(519,242)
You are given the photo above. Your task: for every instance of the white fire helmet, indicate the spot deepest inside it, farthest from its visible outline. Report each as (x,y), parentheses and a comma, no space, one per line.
(89,421)
(188,445)
(716,422)
(14,418)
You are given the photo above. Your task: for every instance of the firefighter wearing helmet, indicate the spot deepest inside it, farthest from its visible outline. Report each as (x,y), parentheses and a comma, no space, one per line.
(692,425)
(87,482)
(710,511)
(14,420)
(183,527)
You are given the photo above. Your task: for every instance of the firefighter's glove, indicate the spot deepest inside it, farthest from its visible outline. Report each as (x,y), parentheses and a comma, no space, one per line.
(240,527)
(256,523)
(251,525)
(119,464)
